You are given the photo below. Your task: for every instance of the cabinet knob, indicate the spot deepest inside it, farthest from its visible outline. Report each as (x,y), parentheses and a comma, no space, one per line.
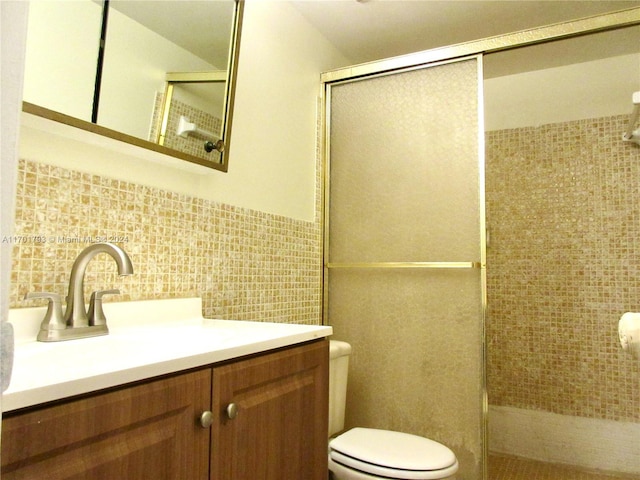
(232,411)
(206,419)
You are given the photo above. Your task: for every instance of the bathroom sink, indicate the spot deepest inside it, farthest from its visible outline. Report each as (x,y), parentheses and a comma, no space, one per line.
(146,339)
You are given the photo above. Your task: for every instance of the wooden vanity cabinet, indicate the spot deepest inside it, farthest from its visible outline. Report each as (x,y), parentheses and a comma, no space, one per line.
(272,413)
(152,430)
(145,431)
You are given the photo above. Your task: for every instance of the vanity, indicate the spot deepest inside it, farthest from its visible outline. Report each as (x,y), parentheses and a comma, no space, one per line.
(168,395)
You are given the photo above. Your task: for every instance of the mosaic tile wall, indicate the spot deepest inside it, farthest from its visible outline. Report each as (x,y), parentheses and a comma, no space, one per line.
(245,264)
(563,264)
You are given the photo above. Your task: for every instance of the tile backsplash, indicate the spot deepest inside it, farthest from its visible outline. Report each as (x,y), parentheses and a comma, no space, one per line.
(245,264)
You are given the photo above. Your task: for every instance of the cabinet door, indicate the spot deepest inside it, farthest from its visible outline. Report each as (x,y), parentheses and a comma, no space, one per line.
(280,428)
(147,431)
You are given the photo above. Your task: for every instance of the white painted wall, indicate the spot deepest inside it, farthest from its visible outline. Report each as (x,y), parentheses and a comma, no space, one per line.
(13,21)
(273,143)
(272,162)
(583,90)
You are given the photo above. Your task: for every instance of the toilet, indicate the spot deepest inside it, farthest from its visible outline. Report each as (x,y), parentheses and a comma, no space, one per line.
(368,453)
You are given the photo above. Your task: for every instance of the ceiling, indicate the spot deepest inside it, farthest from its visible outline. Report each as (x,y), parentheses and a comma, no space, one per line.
(367,30)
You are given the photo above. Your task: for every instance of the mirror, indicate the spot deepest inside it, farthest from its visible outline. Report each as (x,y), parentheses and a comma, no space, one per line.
(131,69)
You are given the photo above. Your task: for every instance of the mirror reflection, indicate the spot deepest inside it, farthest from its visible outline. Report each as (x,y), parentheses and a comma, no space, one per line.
(112,63)
(186,117)
(63,40)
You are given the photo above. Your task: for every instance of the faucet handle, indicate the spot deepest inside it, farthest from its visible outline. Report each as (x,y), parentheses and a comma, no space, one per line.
(96,314)
(53,319)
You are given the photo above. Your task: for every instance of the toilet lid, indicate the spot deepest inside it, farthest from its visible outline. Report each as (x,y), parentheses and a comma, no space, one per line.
(382,451)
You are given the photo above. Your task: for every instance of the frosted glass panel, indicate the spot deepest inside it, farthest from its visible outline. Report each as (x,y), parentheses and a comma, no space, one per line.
(404,167)
(416,364)
(405,186)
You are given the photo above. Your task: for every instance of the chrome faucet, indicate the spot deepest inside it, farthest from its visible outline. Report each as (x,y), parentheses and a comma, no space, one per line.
(75,315)
(76,322)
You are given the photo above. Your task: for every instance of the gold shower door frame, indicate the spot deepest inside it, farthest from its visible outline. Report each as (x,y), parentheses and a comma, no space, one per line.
(431,288)
(429,58)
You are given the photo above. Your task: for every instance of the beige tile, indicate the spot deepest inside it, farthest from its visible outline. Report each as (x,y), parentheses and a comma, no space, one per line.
(245,264)
(513,468)
(563,265)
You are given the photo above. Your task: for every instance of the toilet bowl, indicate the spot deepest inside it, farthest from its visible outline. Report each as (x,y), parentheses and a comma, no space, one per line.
(368,453)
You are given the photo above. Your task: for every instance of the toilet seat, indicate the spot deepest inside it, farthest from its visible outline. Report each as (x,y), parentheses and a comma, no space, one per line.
(393,455)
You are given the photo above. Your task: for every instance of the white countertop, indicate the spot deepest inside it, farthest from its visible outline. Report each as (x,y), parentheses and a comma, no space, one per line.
(146,339)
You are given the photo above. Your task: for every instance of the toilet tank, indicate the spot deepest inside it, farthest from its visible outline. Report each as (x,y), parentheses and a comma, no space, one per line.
(338,370)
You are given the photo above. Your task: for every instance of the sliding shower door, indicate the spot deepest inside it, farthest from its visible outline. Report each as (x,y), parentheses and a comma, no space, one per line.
(404,259)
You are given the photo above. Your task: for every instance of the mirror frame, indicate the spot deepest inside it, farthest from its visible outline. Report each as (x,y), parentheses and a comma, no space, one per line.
(232,71)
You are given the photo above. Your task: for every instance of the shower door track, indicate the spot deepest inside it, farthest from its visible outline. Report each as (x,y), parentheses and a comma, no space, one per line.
(434,265)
